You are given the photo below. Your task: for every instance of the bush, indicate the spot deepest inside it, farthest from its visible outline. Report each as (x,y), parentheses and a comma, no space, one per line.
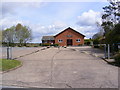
(117,58)
(55,45)
(101,47)
(96,41)
(40,44)
(79,44)
(96,46)
(36,46)
(11,44)
(46,44)
(87,41)
(8,44)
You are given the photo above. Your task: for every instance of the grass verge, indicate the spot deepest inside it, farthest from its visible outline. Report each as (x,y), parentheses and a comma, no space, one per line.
(8,64)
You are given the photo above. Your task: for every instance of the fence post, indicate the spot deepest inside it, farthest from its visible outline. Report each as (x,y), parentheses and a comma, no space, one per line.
(108,51)
(9,53)
(105,50)
(8,56)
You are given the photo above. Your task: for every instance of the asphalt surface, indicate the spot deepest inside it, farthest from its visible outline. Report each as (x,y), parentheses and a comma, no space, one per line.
(62,68)
(16,52)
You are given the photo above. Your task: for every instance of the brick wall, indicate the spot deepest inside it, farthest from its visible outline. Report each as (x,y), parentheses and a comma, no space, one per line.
(69,34)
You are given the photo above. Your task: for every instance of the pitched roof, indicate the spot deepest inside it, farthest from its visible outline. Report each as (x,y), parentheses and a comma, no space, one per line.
(48,38)
(71,29)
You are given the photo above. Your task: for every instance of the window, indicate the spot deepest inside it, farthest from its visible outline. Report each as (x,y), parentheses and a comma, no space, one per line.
(77,40)
(60,40)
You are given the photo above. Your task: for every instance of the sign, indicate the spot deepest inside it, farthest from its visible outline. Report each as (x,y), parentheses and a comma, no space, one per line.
(69,35)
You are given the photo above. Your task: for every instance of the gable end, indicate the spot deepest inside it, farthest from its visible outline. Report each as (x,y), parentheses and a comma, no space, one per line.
(70,29)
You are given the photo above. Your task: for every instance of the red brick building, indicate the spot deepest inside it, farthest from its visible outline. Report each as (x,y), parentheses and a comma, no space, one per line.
(68,37)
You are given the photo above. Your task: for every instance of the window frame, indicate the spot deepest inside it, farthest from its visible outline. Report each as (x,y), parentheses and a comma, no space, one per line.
(60,40)
(78,40)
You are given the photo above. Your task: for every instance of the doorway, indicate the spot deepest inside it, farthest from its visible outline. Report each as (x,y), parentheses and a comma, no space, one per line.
(69,42)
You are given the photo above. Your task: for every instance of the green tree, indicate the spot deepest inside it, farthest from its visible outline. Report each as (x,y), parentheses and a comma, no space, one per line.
(111,15)
(23,34)
(17,34)
(114,35)
(111,21)
(8,35)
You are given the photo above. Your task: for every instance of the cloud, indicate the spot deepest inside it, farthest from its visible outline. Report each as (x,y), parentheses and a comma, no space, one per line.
(89,18)
(10,17)
(88,31)
(49,20)
(54,0)
(87,23)
(46,30)
(38,30)
(11,21)
(41,30)
(10,8)
(7,9)
(66,12)
(59,24)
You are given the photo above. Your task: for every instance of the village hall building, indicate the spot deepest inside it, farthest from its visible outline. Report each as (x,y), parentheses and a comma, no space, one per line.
(68,37)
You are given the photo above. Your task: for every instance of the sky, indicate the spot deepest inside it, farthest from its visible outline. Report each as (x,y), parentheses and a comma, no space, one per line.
(50,18)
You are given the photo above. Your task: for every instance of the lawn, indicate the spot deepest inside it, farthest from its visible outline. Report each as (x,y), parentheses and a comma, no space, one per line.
(8,64)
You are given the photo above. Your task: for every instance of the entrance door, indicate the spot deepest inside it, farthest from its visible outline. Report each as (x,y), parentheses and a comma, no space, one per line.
(69,42)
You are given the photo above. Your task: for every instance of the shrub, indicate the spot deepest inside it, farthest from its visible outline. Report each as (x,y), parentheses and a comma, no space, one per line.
(55,45)
(117,58)
(96,46)
(101,47)
(36,46)
(46,44)
(79,44)
(96,41)
(87,41)
(40,44)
